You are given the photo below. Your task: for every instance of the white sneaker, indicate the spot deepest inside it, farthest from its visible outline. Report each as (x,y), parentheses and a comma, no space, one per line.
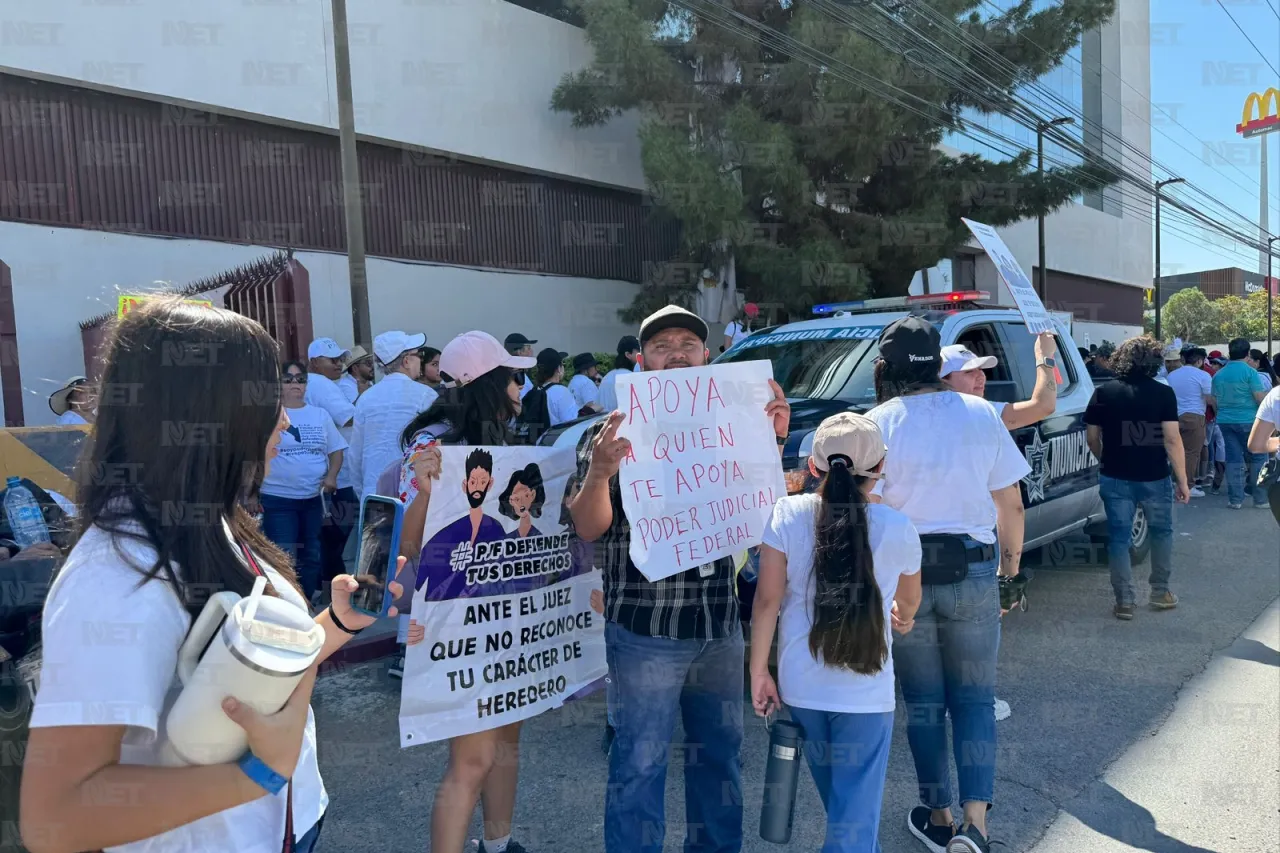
(1003,711)
(1196,492)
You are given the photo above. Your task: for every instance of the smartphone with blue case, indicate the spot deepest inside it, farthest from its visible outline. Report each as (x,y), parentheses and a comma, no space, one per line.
(376,553)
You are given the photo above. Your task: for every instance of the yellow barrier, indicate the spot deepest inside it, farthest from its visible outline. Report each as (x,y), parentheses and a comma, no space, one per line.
(44,455)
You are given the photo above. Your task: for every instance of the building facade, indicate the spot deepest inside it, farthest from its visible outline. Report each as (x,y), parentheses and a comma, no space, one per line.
(1230,281)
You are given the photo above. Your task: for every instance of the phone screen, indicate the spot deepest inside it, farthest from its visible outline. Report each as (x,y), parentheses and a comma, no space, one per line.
(375,559)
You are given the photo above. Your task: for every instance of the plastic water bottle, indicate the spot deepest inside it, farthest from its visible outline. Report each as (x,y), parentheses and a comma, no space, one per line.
(26,519)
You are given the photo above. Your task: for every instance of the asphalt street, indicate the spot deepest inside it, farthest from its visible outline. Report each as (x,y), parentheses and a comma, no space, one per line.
(1158,734)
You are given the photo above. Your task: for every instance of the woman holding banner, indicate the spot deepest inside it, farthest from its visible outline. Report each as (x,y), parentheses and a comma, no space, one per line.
(150,547)
(963,497)
(478,410)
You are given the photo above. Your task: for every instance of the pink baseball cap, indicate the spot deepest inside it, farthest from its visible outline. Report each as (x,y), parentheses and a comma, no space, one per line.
(473,354)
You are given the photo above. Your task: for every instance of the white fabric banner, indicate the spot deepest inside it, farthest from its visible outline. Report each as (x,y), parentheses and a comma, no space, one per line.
(704,470)
(502,627)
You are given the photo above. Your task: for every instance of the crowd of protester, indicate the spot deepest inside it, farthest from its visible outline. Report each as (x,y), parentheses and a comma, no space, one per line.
(892,571)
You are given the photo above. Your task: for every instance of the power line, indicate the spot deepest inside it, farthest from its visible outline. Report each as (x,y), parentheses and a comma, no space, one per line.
(1262,55)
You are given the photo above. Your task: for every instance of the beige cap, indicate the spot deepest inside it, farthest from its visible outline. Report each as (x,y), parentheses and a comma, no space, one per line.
(357,354)
(855,437)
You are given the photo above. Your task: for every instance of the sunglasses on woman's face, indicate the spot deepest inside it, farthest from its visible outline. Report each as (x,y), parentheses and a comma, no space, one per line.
(294,379)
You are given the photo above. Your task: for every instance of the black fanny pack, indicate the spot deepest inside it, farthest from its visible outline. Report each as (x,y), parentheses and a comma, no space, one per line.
(946,557)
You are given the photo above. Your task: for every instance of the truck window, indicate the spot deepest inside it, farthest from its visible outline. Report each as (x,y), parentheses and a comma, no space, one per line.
(1021,346)
(1002,386)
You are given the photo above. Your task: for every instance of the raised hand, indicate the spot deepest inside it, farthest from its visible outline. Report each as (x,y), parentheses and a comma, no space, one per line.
(608,450)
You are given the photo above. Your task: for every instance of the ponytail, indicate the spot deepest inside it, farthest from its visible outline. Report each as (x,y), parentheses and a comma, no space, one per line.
(848,609)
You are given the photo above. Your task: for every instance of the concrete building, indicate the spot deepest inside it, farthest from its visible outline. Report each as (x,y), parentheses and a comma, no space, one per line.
(484,208)
(1231,281)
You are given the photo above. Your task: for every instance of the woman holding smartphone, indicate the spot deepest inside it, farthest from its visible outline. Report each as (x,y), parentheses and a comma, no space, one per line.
(478,410)
(152,545)
(836,564)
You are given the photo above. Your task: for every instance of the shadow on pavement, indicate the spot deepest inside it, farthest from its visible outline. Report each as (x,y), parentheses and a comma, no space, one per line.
(1109,812)
(1252,650)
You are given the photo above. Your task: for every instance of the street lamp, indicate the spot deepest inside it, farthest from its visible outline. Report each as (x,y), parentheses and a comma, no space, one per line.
(1041,127)
(1159,186)
(1270,251)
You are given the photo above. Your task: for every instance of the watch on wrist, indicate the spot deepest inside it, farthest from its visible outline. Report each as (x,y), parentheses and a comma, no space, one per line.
(1048,362)
(262,775)
(782,440)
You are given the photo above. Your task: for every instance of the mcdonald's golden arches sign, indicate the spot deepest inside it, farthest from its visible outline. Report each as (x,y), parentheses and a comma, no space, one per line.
(1266,107)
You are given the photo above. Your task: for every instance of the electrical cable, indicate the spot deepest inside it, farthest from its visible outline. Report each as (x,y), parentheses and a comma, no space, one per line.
(1247,38)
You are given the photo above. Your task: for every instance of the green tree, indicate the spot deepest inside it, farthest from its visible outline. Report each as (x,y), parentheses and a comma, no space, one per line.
(1188,314)
(1233,320)
(1255,316)
(821,188)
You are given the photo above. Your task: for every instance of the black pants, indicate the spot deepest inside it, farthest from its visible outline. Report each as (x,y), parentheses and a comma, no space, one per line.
(344,511)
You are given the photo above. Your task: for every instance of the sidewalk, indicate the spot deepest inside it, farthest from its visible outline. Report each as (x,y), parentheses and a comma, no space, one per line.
(1208,779)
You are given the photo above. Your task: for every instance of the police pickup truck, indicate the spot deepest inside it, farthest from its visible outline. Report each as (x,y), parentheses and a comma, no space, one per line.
(825,365)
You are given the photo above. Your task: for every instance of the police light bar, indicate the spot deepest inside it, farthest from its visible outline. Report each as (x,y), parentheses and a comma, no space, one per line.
(863,305)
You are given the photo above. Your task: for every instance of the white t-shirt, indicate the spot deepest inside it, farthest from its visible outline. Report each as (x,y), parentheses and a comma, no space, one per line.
(325,393)
(1190,385)
(1269,408)
(70,418)
(382,413)
(349,387)
(1266,380)
(560,404)
(584,390)
(299,469)
(609,389)
(947,453)
(803,681)
(735,332)
(131,679)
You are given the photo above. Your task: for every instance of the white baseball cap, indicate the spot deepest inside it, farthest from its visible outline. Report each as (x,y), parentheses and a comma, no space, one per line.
(325,348)
(473,354)
(389,346)
(958,357)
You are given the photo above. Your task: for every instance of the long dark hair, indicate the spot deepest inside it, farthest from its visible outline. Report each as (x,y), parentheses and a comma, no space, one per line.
(531,477)
(893,380)
(848,609)
(190,398)
(1264,364)
(479,412)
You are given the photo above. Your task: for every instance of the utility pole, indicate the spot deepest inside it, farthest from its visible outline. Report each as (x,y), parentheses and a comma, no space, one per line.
(352,203)
(1271,241)
(1041,126)
(1159,186)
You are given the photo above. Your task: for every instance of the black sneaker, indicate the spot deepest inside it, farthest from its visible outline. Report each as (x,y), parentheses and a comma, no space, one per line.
(512,847)
(396,669)
(969,840)
(932,836)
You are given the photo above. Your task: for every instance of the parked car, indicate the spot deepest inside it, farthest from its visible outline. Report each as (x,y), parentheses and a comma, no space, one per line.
(825,365)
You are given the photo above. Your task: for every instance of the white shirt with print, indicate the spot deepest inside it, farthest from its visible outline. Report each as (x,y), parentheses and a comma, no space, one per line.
(135,676)
(803,681)
(382,413)
(584,390)
(298,470)
(561,405)
(947,453)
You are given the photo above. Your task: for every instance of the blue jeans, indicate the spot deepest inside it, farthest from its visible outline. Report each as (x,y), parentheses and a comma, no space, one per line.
(294,525)
(1121,498)
(654,679)
(307,843)
(848,755)
(947,663)
(1242,466)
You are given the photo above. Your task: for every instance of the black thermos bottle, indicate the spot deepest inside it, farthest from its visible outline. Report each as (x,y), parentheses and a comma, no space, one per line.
(781,775)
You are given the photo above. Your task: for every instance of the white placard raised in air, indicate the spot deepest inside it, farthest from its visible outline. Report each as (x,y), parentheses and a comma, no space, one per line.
(1024,295)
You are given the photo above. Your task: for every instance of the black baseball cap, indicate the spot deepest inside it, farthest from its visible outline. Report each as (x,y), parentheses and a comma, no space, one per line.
(628,343)
(515,339)
(583,360)
(912,343)
(551,357)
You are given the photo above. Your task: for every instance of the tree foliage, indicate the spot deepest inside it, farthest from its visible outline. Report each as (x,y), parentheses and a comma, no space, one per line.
(1189,315)
(1192,316)
(823,188)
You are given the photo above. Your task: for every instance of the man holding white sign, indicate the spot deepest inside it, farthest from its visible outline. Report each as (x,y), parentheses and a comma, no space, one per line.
(670,466)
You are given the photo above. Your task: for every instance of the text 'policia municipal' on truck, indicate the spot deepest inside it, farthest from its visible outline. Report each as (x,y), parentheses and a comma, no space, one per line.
(826,365)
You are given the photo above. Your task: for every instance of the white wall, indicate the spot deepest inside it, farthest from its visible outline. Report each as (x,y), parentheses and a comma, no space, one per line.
(470,77)
(64,275)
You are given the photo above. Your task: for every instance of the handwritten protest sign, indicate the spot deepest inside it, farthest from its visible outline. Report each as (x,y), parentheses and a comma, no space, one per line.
(503,628)
(703,473)
(1024,295)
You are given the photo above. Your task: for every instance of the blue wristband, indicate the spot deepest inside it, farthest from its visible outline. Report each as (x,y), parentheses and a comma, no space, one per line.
(266,778)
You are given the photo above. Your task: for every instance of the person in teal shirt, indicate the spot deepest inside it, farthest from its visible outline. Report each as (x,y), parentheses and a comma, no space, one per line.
(1238,389)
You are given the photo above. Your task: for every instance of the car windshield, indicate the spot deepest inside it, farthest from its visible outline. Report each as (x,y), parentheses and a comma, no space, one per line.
(825,369)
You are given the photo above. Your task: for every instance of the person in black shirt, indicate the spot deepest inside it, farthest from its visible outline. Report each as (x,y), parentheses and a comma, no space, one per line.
(1133,430)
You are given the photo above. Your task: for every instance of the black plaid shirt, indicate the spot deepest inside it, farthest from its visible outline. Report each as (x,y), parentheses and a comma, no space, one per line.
(685,606)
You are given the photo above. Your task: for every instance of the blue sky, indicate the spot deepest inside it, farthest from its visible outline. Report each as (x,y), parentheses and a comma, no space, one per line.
(1202,70)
